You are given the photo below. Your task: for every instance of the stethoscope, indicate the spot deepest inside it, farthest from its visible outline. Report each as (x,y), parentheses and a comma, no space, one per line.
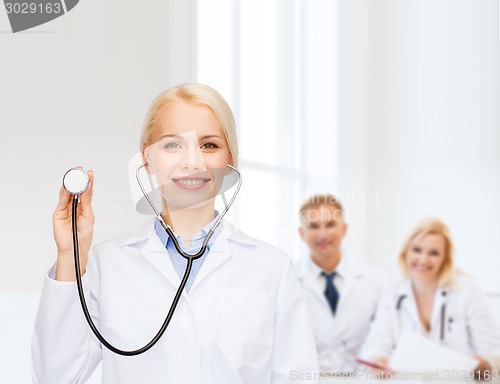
(76,181)
(442,330)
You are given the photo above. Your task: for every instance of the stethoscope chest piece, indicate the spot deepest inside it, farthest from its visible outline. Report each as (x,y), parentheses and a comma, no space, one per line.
(76,181)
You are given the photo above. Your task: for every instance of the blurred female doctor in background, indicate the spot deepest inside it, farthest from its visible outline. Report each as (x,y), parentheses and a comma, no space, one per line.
(435,300)
(241,318)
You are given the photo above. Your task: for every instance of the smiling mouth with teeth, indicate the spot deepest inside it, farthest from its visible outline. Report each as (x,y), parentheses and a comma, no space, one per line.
(191,183)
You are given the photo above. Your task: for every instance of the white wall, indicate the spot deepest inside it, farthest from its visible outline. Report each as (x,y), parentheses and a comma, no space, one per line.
(75,92)
(421,124)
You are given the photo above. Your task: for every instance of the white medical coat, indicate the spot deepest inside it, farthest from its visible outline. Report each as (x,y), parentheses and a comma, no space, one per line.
(469,324)
(243,321)
(339,338)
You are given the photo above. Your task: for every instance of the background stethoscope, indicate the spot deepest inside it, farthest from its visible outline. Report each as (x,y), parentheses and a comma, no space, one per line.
(399,303)
(76,181)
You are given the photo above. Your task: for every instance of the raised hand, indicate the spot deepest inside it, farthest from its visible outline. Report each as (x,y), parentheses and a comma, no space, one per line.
(63,233)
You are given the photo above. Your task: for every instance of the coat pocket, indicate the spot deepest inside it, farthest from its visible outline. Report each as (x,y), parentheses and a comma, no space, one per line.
(246,326)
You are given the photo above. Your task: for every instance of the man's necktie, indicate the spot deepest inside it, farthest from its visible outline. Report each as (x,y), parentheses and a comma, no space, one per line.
(331,293)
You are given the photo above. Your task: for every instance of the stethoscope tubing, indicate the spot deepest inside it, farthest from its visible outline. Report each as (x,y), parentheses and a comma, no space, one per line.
(189,257)
(87,315)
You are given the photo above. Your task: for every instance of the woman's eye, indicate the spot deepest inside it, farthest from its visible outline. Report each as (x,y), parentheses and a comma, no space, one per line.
(434,253)
(171,145)
(416,249)
(209,146)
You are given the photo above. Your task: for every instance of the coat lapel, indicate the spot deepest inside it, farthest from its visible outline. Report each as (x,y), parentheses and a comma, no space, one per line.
(308,279)
(439,301)
(408,305)
(152,250)
(349,285)
(221,251)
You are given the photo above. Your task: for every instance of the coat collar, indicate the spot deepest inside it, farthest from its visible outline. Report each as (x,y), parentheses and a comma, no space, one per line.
(146,231)
(307,273)
(152,249)
(410,305)
(221,250)
(345,268)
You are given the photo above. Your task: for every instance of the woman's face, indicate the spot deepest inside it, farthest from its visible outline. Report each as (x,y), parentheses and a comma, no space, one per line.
(425,257)
(189,155)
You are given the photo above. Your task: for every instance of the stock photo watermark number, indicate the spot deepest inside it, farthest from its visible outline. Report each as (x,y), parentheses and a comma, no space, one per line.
(26,8)
(27,14)
(368,375)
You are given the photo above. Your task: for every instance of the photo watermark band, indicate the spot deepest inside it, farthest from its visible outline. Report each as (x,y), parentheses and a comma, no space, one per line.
(26,14)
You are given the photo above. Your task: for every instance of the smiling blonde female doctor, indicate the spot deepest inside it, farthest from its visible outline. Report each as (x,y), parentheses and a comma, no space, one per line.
(436,301)
(241,318)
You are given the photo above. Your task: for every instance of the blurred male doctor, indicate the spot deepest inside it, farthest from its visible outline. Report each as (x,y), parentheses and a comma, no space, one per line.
(341,294)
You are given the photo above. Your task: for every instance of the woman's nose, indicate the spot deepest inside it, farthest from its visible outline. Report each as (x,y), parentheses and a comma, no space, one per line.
(422,257)
(193,159)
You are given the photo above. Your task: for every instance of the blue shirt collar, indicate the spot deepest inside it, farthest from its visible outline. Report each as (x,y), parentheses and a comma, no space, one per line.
(198,236)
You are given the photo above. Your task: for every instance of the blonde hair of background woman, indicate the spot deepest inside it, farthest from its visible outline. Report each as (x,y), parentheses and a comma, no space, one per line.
(432,226)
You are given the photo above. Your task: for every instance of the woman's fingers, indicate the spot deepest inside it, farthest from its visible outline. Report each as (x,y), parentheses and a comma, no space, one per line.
(86,198)
(382,368)
(62,206)
(483,369)
(65,200)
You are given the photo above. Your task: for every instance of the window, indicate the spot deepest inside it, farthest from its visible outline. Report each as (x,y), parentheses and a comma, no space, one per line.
(274,61)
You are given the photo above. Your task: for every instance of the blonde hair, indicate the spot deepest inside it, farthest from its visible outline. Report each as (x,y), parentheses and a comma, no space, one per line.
(197,94)
(436,227)
(321,199)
